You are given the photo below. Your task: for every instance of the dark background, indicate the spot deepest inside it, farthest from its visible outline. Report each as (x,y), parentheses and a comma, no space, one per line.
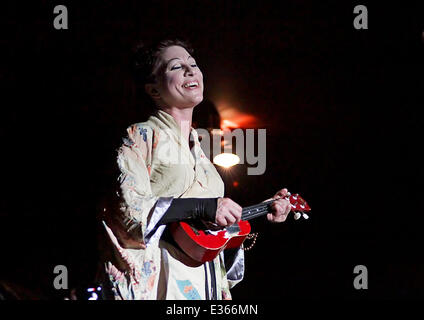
(341,107)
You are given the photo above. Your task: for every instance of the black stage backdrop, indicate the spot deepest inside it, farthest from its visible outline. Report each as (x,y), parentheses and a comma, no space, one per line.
(341,107)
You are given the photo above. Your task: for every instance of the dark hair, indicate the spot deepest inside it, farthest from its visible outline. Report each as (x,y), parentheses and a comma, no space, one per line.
(145,58)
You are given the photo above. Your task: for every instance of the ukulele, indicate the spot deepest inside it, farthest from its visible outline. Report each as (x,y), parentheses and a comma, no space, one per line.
(202,244)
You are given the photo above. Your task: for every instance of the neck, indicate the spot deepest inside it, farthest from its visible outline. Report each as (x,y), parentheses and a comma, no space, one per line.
(183,117)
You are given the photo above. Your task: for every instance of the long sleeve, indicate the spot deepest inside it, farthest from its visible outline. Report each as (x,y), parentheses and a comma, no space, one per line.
(138,210)
(234,264)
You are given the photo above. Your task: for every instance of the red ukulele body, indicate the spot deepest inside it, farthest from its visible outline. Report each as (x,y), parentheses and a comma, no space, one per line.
(204,245)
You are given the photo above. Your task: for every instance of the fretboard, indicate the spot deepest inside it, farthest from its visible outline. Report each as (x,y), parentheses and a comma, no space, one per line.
(256,211)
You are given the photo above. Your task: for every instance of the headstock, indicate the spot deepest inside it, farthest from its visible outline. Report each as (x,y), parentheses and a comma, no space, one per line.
(299,206)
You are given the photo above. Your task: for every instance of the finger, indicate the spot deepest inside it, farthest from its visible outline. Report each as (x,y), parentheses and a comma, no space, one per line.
(237,218)
(270,217)
(235,210)
(273,218)
(282,192)
(221,221)
(281,213)
(288,209)
(239,208)
(278,207)
(285,204)
(236,214)
(281,202)
(235,205)
(282,218)
(227,222)
(230,219)
(229,211)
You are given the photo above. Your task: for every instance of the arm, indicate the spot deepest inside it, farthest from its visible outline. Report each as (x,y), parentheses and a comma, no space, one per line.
(134,206)
(190,208)
(140,214)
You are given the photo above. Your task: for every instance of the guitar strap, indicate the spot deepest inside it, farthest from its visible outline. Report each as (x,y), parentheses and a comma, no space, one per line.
(206,283)
(213,279)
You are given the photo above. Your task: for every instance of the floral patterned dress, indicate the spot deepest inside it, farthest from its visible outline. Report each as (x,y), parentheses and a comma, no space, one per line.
(139,258)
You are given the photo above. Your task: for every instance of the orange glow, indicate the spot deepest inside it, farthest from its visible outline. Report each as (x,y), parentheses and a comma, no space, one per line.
(233,116)
(227,124)
(233,119)
(240,121)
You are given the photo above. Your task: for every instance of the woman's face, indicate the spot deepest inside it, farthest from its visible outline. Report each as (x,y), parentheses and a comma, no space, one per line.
(179,81)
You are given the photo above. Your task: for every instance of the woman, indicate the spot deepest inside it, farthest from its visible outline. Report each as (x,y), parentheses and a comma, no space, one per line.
(165,177)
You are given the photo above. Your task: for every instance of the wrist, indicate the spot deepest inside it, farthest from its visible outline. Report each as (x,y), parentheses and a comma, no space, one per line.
(206,209)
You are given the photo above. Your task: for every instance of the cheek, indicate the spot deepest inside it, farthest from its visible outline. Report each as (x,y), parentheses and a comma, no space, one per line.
(169,86)
(174,81)
(201,76)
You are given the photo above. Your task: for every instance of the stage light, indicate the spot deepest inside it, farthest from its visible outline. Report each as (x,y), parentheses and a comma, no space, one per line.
(226,160)
(94,296)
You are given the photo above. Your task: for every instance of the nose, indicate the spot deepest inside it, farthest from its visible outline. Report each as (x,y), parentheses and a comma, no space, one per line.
(190,70)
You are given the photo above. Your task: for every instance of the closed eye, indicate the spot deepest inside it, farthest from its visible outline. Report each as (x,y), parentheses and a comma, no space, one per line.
(176,67)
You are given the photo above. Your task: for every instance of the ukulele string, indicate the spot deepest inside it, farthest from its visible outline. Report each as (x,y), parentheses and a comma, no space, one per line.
(251,209)
(250,215)
(260,209)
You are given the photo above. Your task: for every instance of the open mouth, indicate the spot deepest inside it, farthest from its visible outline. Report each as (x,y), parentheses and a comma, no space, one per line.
(191,85)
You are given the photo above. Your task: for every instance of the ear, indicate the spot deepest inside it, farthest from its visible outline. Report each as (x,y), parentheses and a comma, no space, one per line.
(151,90)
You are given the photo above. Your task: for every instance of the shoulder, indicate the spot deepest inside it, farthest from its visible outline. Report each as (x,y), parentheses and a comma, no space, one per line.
(138,134)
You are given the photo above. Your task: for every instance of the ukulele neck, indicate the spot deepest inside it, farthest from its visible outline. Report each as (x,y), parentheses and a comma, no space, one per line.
(298,206)
(256,211)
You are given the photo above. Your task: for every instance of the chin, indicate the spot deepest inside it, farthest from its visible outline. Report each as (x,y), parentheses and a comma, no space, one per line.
(194,102)
(198,101)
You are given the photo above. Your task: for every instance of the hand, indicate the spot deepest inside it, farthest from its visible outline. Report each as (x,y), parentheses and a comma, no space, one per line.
(280,208)
(228,212)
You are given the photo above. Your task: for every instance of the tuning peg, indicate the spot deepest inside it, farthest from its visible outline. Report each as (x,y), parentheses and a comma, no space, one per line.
(305,216)
(297,215)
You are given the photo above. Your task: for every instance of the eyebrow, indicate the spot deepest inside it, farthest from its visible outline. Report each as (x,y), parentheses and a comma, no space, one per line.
(177,58)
